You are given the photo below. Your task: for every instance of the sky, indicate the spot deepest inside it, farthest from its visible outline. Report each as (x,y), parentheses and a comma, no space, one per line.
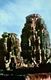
(13,14)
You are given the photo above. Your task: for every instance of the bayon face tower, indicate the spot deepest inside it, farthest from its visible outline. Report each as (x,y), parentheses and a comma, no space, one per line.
(35,42)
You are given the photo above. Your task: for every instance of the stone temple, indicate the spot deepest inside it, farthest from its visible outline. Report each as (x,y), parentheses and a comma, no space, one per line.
(35,41)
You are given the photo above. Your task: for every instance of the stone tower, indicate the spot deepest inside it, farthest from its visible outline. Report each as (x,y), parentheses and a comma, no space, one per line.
(35,40)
